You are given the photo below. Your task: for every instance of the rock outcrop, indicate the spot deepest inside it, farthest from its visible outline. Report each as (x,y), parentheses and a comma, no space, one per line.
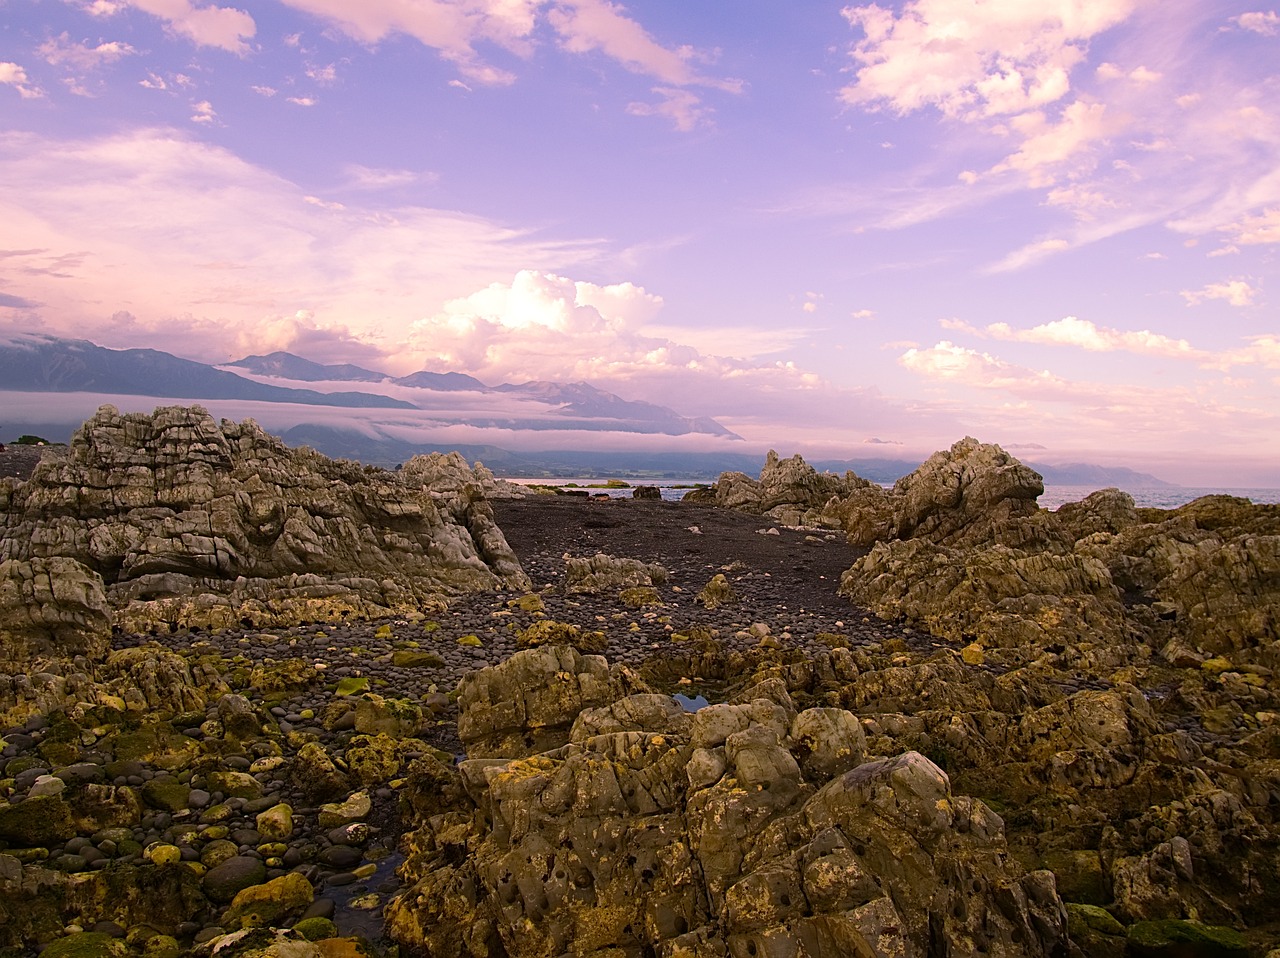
(971,493)
(173,519)
(747,828)
(789,490)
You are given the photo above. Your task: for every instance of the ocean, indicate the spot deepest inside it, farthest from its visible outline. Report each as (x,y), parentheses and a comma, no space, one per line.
(1157,497)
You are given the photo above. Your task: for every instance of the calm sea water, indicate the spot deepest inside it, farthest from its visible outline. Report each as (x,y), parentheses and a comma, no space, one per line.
(1158,497)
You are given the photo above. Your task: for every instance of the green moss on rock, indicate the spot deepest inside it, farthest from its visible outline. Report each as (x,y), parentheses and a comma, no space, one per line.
(37,822)
(316,929)
(352,685)
(86,944)
(166,794)
(416,659)
(1177,938)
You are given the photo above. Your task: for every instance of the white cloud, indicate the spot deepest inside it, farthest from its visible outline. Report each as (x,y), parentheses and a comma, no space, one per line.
(102,8)
(1266,23)
(973,59)
(455,27)
(1081,333)
(1047,144)
(683,108)
(1092,416)
(203,112)
(1257,229)
(190,238)
(302,100)
(11,74)
(324,75)
(367,178)
(63,51)
(588,25)
(1236,292)
(267,91)
(210,26)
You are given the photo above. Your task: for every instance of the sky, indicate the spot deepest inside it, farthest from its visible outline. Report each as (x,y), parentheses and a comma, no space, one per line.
(841,230)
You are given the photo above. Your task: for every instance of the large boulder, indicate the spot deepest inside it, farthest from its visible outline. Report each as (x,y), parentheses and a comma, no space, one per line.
(972,492)
(183,520)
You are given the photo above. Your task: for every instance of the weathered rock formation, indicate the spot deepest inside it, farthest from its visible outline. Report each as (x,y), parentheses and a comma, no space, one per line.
(605,823)
(789,490)
(973,492)
(173,519)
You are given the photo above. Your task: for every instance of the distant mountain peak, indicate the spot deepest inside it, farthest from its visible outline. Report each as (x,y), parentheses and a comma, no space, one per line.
(282,365)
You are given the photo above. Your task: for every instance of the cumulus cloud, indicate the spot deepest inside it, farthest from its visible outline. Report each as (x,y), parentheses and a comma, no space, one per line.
(1070,331)
(1255,230)
(1158,131)
(1266,23)
(210,26)
(203,112)
(973,59)
(80,56)
(250,247)
(1081,333)
(11,74)
(1236,292)
(1047,144)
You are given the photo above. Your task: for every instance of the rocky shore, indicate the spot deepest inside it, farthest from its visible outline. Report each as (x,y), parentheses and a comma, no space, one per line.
(257,702)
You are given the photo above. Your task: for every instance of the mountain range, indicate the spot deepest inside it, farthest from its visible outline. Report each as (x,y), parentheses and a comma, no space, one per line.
(49,385)
(38,363)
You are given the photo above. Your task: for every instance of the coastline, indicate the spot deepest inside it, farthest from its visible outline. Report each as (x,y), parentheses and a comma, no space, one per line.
(1054,496)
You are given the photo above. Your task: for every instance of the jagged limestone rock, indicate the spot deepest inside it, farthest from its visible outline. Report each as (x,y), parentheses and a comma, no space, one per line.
(183,520)
(789,490)
(746,828)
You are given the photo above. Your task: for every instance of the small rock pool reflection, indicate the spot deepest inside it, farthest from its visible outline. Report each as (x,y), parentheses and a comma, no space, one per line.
(358,906)
(691,703)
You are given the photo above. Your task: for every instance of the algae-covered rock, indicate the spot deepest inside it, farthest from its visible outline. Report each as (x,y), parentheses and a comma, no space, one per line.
(37,822)
(355,808)
(376,715)
(1096,932)
(86,944)
(1177,938)
(717,592)
(50,606)
(550,632)
(276,823)
(316,929)
(166,794)
(650,830)
(416,659)
(530,701)
(269,903)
